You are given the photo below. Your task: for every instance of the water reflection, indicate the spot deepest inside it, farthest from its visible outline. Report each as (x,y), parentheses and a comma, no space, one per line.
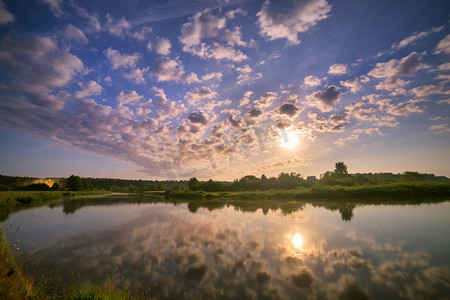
(234,251)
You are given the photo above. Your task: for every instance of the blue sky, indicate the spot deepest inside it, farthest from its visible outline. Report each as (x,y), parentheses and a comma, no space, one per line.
(222,89)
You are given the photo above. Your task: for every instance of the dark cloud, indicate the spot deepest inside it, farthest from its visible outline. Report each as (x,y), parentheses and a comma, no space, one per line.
(198,117)
(254,113)
(329,96)
(288,109)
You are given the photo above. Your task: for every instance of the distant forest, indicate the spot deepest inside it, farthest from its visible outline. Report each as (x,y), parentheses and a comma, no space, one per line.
(339,176)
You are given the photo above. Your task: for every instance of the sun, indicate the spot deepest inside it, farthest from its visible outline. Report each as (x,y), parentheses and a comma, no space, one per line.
(297,241)
(288,139)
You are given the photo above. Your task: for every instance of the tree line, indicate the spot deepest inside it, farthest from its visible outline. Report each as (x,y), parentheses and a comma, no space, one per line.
(339,176)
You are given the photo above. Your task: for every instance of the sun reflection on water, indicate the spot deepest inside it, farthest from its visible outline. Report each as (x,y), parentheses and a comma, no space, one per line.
(297,241)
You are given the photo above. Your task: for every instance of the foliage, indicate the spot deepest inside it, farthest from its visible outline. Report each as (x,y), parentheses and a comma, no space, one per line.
(412,176)
(74,183)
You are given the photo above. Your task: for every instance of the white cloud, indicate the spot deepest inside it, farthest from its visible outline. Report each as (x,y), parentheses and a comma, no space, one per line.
(88,89)
(118,28)
(137,75)
(246,99)
(128,97)
(196,95)
(36,63)
(404,109)
(415,37)
(122,60)
(391,83)
(72,33)
(160,97)
(354,84)
(231,14)
(311,80)
(305,14)
(338,69)
(163,46)
(247,75)
(167,69)
(429,89)
(440,128)
(55,7)
(204,25)
(201,25)
(443,46)
(142,34)
(5,16)
(407,66)
(212,76)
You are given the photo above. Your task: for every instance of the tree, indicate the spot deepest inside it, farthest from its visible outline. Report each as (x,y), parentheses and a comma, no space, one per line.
(56,186)
(193,184)
(412,176)
(74,183)
(341,169)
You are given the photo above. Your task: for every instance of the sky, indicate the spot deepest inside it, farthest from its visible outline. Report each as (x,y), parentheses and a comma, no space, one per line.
(223,89)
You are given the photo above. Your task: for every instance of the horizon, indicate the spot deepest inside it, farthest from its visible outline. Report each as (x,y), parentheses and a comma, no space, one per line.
(223,89)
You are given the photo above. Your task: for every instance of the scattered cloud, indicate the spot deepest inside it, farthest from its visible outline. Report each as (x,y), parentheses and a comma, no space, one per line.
(122,60)
(311,80)
(88,89)
(163,46)
(167,69)
(324,100)
(118,28)
(288,109)
(72,33)
(440,128)
(407,66)
(55,7)
(443,46)
(305,14)
(337,69)
(128,97)
(5,16)
(198,117)
(198,94)
(415,37)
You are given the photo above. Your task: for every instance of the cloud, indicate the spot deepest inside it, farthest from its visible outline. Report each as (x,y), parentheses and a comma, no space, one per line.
(266,100)
(163,46)
(254,113)
(415,37)
(440,128)
(404,109)
(407,66)
(231,14)
(36,63)
(201,25)
(247,76)
(167,69)
(88,89)
(284,164)
(198,94)
(354,84)
(137,75)
(198,117)
(128,97)
(305,14)
(5,16)
(337,69)
(288,109)
(429,89)
(160,97)
(118,28)
(212,76)
(74,34)
(391,83)
(142,34)
(333,124)
(246,99)
(324,100)
(204,25)
(55,7)
(311,80)
(218,52)
(122,60)
(443,46)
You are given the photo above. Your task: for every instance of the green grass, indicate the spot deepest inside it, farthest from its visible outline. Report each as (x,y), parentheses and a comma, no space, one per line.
(365,192)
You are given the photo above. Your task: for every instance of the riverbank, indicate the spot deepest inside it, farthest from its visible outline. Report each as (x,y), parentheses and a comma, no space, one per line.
(365,192)
(13,284)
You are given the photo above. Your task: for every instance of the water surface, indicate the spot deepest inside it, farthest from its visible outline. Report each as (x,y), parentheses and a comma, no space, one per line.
(187,251)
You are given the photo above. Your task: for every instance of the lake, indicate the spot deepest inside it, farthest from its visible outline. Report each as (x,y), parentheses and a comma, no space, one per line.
(274,250)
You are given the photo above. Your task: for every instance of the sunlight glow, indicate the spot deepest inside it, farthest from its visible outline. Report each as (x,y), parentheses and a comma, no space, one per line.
(297,241)
(288,139)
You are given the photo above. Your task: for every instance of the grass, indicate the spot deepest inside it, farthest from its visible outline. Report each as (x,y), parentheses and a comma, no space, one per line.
(364,192)
(13,284)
